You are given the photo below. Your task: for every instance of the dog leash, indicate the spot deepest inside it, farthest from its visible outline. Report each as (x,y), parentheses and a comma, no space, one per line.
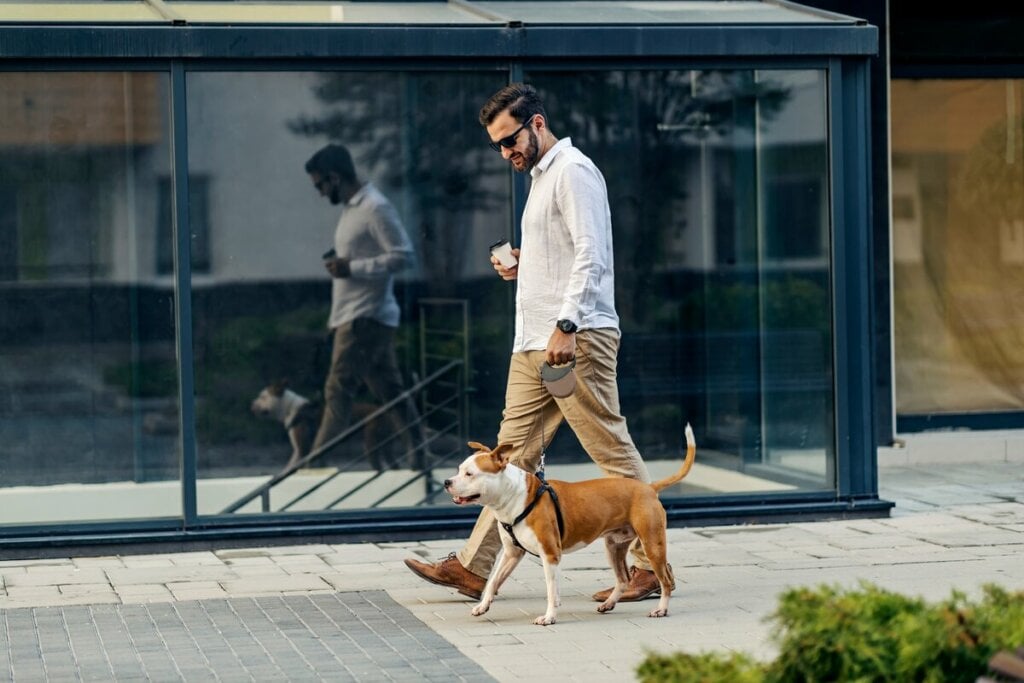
(544,487)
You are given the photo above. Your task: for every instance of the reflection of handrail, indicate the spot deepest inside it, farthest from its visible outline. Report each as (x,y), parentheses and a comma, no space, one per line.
(263,491)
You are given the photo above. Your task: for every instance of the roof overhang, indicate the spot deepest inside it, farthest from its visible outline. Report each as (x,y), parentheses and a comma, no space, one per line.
(432,29)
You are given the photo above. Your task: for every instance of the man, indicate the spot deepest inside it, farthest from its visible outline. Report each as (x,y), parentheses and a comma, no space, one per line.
(565,309)
(370,246)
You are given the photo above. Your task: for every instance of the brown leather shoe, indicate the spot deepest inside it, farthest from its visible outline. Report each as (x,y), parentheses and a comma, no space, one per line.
(449,572)
(643,584)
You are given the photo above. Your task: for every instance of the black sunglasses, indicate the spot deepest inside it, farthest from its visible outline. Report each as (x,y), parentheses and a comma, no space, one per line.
(509,141)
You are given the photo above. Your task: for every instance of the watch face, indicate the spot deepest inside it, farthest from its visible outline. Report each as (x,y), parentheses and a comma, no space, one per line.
(566,326)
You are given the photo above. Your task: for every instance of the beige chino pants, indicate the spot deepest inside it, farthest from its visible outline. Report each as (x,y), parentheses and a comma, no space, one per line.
(532,416)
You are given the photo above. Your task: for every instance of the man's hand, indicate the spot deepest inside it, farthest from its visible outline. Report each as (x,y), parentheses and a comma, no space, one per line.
(506,273)
(338,267)
(561,347)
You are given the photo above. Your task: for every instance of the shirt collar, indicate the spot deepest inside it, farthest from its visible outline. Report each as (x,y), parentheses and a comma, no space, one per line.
(549,158)
(359,195)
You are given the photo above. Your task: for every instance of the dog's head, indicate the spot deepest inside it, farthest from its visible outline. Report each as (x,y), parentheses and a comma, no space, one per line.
(268,402)
(480,475)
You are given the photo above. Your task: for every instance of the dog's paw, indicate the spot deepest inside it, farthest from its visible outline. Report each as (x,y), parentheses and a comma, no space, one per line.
(544,620)
(481,608)
(605,607)
(658,613)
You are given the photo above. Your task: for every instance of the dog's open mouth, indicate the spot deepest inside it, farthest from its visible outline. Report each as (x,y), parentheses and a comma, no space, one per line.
(459,500)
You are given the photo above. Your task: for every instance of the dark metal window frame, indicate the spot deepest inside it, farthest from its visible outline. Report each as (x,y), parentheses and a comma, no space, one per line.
(841,51)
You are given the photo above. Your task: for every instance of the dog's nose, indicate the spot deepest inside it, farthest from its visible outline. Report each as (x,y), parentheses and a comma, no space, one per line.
(447,483)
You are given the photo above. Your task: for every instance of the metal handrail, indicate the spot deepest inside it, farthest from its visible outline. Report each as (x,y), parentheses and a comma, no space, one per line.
(263,491)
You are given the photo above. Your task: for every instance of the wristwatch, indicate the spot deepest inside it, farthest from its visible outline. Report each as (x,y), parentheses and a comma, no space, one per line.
(567,326)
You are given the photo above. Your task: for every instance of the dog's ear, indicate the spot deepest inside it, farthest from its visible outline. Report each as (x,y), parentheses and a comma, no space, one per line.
(500,454)
(477,446)
(278,386)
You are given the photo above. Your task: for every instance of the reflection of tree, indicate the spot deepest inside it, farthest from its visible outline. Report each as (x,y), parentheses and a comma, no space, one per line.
(984,287)
(639,126)
(417,133)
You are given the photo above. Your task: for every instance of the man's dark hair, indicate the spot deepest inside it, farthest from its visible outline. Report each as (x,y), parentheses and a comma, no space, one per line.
(332,159)
(521,101)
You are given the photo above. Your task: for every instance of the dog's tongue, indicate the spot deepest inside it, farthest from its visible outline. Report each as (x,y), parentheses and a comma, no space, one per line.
(459,500)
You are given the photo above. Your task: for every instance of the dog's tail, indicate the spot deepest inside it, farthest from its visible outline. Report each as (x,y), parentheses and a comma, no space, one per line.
(691,454)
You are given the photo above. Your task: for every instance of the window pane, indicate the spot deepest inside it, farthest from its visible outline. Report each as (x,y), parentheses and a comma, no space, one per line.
(719,197)
(958,245)
(718,190)
(263,298)
(88,374)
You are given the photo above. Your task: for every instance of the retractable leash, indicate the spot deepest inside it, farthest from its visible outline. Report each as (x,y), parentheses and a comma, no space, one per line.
(543,450)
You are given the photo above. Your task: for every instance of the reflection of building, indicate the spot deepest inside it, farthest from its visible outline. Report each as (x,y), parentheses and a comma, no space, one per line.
(738,172)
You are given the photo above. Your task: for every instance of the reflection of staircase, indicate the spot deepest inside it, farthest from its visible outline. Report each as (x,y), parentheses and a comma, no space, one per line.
(439,434)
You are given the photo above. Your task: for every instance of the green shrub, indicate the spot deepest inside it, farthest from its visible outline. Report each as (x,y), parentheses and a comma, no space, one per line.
(866,635)
(702,668)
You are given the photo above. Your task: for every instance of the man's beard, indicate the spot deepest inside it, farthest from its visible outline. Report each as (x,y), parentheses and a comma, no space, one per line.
(532,152)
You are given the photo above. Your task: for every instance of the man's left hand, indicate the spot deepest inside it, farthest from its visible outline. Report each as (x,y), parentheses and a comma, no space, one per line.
(561,347)
(338,267)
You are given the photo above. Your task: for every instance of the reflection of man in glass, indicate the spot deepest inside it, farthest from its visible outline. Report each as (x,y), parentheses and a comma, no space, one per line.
(565,310)
(370,246)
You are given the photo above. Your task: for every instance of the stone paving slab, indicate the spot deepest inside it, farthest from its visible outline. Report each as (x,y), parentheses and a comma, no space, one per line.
(354,636)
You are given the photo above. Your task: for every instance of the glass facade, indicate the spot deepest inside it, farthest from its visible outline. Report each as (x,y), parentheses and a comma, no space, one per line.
(718,184)
(88,372)
(719,188)
(958,245)
(262,297)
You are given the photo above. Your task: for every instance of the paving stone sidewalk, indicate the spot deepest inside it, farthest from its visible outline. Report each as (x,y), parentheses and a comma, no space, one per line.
(953,527)
(357,636)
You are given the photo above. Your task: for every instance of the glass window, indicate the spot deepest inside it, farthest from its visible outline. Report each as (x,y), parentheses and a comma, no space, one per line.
(958,245)
(718,188)
(88,374)
(420,295)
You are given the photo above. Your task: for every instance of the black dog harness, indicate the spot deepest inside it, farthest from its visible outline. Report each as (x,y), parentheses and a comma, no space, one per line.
(541,490)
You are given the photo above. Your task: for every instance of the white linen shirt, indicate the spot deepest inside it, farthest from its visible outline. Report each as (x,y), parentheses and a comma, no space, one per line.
(371,236)
(565,261)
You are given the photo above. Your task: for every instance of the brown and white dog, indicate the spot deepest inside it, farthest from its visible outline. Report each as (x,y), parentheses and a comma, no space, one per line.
(299,416)
(617,509)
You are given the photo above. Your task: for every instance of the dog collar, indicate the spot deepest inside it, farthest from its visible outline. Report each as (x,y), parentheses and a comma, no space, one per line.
(541,490)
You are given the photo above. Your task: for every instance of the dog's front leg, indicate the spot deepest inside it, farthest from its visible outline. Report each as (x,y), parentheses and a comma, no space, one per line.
(508,561)
(554,600)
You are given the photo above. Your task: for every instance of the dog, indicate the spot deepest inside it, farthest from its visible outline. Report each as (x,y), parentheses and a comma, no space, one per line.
(299,415)
(301,419)
(535,520)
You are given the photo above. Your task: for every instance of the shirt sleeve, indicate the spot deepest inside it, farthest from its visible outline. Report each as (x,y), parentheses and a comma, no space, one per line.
(395,248)
(582,200)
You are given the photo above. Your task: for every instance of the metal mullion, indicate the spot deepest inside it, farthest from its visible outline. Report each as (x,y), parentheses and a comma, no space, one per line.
(519,192)
(344,64)
(852,259)
(183,293)
(764,63)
